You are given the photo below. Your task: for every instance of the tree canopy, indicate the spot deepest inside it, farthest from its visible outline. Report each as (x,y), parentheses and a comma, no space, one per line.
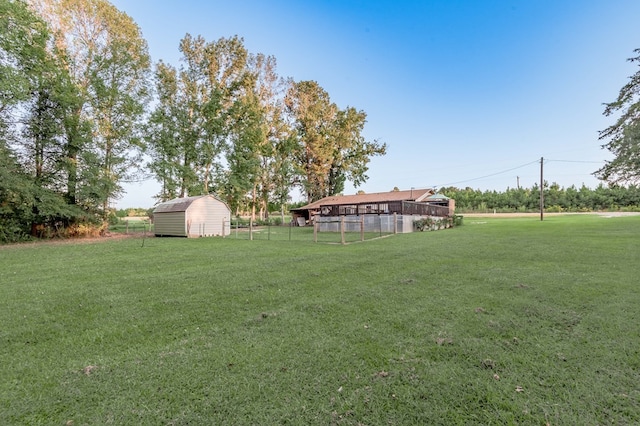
(624,135)
(35,92)
(329,147)
(226,122)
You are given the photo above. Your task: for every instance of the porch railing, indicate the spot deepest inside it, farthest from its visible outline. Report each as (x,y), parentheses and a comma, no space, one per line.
(389,207)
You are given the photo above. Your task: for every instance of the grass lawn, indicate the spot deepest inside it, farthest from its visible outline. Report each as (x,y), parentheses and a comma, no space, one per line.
(500,321)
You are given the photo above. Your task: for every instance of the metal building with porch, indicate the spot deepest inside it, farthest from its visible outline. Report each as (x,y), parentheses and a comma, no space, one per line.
(393,211)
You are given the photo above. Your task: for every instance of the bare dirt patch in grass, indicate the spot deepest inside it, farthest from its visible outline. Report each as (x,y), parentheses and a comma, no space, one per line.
(89,240)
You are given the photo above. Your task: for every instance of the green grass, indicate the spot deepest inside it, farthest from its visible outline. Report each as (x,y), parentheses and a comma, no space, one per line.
(425,328)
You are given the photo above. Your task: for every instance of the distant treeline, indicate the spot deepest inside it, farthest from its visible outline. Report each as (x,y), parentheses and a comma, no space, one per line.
(556,199)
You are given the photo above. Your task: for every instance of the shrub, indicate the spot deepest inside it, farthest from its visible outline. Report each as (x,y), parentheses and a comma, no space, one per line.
(423,224)
(85,230)
(431,224)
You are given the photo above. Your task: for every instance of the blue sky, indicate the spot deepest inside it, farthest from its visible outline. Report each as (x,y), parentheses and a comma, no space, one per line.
(463,92)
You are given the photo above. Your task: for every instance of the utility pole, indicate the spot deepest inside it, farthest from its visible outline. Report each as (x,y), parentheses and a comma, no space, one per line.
(541,189)
(518,181)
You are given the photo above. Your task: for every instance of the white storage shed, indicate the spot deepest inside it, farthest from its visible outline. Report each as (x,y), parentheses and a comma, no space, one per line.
(201,216)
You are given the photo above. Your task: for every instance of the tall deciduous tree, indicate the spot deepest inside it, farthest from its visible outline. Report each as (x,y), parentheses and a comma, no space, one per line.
(352,152)
(22,41)
(259,138)
(17,197)
(312,113)
(23,38)
(243,155)
(276,164)
(624,135)
(330,146)
(193,113)
(35,94)
(172,136)
(107,57)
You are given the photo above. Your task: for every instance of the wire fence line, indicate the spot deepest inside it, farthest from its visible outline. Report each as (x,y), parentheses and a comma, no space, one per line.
(338,230)
(348,226)
(132,227)
(344,231)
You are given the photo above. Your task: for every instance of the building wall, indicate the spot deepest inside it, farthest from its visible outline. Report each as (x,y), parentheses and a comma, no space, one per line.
(169,224)
(372,223)
(207,217)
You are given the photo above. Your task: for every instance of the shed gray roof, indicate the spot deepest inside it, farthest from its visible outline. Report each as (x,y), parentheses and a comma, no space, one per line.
(175,205)
(180,204)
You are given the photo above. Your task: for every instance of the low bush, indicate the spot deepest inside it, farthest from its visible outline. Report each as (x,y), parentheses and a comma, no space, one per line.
(433,224)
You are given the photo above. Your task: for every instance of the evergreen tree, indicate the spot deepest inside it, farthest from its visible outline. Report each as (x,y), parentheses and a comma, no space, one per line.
(624,135)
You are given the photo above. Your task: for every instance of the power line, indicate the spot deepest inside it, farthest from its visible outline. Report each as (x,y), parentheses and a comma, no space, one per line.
(490,175)
(575,161)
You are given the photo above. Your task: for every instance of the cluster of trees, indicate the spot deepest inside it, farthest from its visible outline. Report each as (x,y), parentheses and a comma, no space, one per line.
(134,212)
(73,90)
(556,199)
(76,89)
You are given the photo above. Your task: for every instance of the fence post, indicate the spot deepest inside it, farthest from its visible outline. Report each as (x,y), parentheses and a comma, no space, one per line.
(223,228)
(126,230)
(395,223)
(362,228)
(290,226)
(251,229)
(315,231)
(342,228)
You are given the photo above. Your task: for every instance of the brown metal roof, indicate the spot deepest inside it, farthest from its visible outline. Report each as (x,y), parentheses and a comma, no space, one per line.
(376,197)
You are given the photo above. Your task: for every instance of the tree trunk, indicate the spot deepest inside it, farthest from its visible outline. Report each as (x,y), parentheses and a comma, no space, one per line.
(206,177)
(253,204)
(73,148)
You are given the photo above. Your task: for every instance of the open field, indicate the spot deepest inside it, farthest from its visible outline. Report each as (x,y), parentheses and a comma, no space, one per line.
(500,321)
(550,214)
